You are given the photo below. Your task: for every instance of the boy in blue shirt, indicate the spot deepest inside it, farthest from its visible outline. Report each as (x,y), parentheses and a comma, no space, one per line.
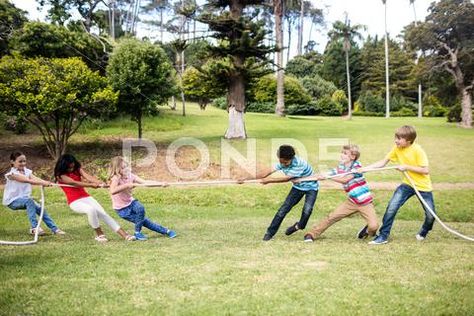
(293,167)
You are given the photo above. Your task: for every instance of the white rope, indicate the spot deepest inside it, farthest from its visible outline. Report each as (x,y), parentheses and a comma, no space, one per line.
(35,239)
(452,231)
(190,183)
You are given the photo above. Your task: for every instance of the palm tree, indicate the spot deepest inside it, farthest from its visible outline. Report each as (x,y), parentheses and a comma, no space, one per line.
(278,6)
(420,106)
(387,89)
(346,33)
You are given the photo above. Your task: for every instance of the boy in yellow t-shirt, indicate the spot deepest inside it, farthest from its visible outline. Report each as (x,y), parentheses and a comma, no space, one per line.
(411,158)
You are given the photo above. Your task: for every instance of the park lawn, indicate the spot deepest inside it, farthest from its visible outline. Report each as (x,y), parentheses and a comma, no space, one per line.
(219,265)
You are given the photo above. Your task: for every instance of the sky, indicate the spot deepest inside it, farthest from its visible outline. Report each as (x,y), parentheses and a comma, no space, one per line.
(367,12)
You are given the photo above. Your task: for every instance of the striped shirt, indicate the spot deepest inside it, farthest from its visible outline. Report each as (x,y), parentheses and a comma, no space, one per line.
(357,189)
(299,168)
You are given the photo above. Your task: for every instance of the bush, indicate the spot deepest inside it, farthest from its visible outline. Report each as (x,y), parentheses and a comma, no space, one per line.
(265,90)
(432,107)
(370,102)
(364,113)
(340,97)
(301,67)
(327,107)
(260,107)
(403,112)
(454,114)
(397,103)
(310,108)
(15,124)
(220,103)
(317,87)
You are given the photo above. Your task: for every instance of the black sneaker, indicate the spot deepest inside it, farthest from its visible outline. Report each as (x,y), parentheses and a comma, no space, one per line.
(308,238)
(267,237)
(290,230)
(363,233)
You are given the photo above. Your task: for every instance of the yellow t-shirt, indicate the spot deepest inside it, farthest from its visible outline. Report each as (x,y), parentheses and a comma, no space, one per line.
(412,155)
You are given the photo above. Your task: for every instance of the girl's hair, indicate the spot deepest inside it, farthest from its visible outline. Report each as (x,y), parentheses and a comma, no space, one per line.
(116,166)
(62,165)
(14,155)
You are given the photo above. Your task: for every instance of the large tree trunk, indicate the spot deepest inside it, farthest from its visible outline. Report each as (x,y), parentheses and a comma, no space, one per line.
(466,108)
(289,42)
(300,30)
(348,75)
(278,10)
(236,104)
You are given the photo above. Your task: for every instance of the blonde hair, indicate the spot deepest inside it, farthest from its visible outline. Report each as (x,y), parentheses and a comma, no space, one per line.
(406,132)
(353,149)
(116,166)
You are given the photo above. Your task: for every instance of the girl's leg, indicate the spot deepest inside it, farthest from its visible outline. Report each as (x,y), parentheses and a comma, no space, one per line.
(46,218)
(139,213)
(29,205)
(103,215)
(84,206)
(154,226)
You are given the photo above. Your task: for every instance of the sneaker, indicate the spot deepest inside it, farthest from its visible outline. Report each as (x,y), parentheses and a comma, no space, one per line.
(140,236)
(290,230)
(378,241)
(421,235)
(267,237)
(40,231)
(171,233)
(59,232)
(308,238)
(363,233)
(101,238)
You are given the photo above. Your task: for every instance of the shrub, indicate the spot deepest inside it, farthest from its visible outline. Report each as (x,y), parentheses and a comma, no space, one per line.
(317,87)
(220,103)
(260,107)
(310,108)
(371,102)
(327,107)
(454,114)
(365,113)
(340,97)
(397,103)
(265,90)
(432,107)
(403,112)
(15,124)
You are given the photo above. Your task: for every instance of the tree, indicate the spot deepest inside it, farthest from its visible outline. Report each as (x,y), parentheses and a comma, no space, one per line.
(346,33)
(160,7)
(387,81)
(144,77)
(239,37)
(307,65)
(55,95)
(11,19)
(37,39)
(280,101)
(447,39)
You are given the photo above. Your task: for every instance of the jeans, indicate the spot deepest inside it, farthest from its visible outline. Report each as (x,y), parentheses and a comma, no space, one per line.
(292,199)
(400,196)
(33,208)
(135,213)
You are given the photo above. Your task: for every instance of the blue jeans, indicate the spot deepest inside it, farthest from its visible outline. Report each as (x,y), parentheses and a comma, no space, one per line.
(400,196)
(292,199)
(33,208)
(135,213)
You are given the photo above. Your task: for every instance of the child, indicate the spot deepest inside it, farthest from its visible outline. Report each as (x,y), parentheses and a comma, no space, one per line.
(412,158)
(17,194)
(293,167)
(68,171)
(122,181)
(359,196)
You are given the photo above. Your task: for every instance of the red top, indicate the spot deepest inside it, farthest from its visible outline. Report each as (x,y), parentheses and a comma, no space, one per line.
(73,194)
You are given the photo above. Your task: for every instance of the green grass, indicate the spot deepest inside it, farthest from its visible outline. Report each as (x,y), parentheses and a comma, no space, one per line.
(219,265)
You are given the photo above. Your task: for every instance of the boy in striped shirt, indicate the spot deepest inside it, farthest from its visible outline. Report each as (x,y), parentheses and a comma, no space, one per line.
(293,167)
(359,196)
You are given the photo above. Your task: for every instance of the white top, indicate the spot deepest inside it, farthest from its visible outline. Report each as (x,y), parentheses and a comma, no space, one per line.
(15,189)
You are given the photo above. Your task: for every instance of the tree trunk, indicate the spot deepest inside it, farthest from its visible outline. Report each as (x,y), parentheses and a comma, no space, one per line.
(300,30)
(139,122)
(236,104)
(289,42)
(278,10)
(173,102)
(236,124)
(349,99)
(161,25)
(466,108)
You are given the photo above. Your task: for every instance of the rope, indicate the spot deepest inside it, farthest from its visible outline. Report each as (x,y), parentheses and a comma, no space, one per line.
(190,183)
(452,231)
(35,239)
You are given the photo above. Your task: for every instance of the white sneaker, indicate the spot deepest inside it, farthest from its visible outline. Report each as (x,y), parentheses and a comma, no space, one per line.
(40,231)
(419,237)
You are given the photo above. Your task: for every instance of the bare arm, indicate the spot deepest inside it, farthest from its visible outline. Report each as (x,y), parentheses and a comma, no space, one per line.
(67,180)
(116,188)
(31,180)
(89,177)
(150,183)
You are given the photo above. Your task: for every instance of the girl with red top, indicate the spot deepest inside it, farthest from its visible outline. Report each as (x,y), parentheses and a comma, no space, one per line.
(68,171)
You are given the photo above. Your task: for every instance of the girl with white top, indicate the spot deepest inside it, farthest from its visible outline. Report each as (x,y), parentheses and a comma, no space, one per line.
(17,193)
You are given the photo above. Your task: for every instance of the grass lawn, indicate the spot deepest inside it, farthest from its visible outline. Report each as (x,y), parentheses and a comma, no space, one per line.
(219,265)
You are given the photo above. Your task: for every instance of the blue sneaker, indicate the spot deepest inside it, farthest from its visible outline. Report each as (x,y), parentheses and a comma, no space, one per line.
(140,236)
(171,233)
(379,240)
